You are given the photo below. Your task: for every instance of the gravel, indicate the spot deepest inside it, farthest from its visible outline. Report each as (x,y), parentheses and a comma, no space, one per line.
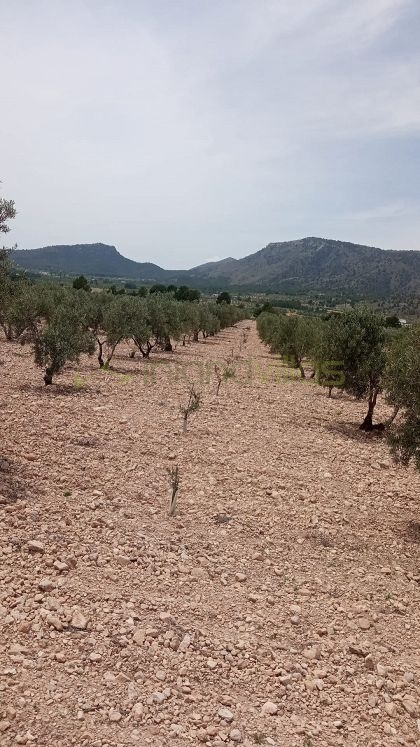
(292,620)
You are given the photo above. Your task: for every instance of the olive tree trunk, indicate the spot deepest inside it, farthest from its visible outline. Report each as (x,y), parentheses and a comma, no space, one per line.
(367,424)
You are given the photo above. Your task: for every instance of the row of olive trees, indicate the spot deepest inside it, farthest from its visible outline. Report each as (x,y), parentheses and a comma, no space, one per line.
(356,352)
(61,322)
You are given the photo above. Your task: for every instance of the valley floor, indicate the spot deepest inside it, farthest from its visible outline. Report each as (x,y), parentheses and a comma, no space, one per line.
(279,607)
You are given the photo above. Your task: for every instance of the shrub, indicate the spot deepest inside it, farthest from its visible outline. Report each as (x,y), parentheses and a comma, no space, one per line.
(174,479)
(81,283)
(219,377)
(192,405)
(224,297)
(183,293)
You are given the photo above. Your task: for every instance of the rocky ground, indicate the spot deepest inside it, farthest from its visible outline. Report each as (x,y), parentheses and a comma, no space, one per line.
(279,607)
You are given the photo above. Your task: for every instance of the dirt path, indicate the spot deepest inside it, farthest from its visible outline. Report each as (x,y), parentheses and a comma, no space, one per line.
(280,607)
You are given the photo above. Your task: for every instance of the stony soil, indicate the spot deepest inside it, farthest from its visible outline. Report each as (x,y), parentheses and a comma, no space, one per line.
(279,607)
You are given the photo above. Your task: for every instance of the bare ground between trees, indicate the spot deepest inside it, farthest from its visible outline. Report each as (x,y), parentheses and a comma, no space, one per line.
(291,574)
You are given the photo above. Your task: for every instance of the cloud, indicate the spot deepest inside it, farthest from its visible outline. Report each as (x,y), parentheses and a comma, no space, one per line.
(174,130)
(390,211)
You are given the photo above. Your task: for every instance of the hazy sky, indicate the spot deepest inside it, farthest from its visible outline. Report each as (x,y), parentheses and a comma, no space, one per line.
(184,130)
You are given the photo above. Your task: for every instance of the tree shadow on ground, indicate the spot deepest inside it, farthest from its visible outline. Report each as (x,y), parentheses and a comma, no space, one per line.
(13,486)
(55,390)
(352,431)
(409,531)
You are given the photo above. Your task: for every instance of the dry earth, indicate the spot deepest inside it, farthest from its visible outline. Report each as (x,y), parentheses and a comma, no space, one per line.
(280,607)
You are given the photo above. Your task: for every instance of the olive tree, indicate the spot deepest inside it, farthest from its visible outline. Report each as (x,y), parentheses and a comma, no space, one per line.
(81,283)
(164,320)
(227,314)
(402,384)
(291,336)
(95,306)
(116,322)
(224,297)
(140,327)
(7,212)
(189,316)
(329,370)
(356,339)
(184,293)
(61,340)
(193,404)
(267,323)
(209,320)
(5,279)
(20,308)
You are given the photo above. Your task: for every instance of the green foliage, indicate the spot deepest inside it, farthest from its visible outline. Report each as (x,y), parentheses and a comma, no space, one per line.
(63,339)
(207,318)
(5,267)
(23,304)
(7,212)
(5,281)
(294,337)
(402,383)
(116,323)
(210,320)
(227,314)
(62,322)
(94,309)
(140,327)
(158,288)
(349,349)
(392,321)
(266,324)
(20,308)
(184,293)
(266,308)
(357,338)
(164,320)
(189,319)
(81,283)
(289,303)
(224,297)
(116,291)
(329,367)
(152,322)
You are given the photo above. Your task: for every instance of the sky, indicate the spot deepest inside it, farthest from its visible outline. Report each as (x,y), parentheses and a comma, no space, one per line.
(183,131)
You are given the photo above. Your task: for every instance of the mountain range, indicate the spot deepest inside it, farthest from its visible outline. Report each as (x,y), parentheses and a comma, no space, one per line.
(309,264)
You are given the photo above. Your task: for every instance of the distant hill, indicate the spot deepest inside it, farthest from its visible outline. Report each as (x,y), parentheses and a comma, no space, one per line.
(321,265)
(310,264)
(98,260)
